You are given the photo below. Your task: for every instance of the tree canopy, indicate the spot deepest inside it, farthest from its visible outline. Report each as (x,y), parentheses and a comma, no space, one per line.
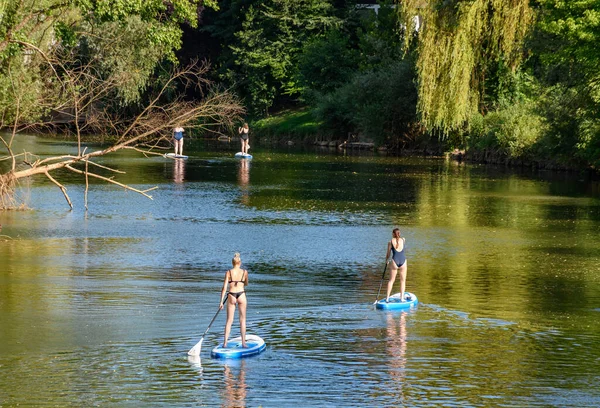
(459,42)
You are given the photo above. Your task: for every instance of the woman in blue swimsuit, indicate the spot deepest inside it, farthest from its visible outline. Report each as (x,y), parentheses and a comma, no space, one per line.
(178,140)
(397,263)
(233,286)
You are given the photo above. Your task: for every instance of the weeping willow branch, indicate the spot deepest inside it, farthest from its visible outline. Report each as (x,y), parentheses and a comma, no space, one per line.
(457,42)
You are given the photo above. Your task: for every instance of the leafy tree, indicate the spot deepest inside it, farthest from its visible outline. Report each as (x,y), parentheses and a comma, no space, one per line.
(572,33)
(327,63)
(567,59)
(262,40)
(126,38)
(458,42)
(73,59)
(379,104)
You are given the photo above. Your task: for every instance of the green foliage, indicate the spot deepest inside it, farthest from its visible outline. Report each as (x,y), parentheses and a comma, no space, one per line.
(379,104)
(327,63)
(379,39)
(19,93)
(174,11)
(262,44)
(512,131)
(572,136)
(588,147)
(504,87)
(128,52)
(568,61)
(289,123)
(458,42)
(125,40)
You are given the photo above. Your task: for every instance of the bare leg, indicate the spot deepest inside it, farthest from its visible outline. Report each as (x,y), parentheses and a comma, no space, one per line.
(242,141)
(178,146)
(393,271)
(403,270)
(242,303)
(229,322)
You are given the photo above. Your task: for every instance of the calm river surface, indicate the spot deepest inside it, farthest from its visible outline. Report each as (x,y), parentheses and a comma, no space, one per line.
(99,308)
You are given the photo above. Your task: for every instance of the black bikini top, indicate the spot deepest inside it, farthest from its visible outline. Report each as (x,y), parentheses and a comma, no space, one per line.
(240,281)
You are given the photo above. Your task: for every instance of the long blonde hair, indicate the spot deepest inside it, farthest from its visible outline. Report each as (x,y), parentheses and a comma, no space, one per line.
(236,259)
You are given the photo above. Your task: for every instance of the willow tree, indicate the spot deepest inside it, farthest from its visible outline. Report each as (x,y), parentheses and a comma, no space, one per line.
(458,41)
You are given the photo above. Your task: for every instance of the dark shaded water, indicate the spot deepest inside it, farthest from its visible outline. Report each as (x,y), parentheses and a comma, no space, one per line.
(99,308)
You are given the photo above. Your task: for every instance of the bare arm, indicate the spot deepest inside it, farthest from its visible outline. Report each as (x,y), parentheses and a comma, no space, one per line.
(246,279)
(387,253)
(224,290)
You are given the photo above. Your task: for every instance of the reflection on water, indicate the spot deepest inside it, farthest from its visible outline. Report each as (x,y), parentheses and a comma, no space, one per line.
(110,301)
(195,362)
(244,180)
(396,349)
(234,385)
(179,171)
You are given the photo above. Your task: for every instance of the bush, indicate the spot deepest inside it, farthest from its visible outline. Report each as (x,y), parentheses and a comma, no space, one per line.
(326,64)
(512,131)
(380,104)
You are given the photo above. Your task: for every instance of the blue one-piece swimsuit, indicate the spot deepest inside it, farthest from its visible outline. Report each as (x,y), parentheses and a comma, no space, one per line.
(178,135)
(398,256)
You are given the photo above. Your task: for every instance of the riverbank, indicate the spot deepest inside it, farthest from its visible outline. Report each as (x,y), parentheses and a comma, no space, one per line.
(293,127)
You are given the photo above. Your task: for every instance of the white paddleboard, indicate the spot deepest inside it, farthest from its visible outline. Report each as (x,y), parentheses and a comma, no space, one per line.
(175,156)
(241,155)
(234,347)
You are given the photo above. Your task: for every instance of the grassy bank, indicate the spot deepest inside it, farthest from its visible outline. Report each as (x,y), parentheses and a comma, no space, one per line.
(291,125)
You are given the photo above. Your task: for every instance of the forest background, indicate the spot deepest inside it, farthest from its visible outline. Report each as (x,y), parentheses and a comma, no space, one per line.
(514,81)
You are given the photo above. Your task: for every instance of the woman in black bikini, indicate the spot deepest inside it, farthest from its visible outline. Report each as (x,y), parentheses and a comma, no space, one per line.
(233,286)
(244,139)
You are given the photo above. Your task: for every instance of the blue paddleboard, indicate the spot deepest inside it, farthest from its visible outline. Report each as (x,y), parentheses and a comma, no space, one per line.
(234,347)
(175,156)
(395,303)
(241,155)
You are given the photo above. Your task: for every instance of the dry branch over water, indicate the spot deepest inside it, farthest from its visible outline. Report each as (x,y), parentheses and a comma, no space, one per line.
(81,97)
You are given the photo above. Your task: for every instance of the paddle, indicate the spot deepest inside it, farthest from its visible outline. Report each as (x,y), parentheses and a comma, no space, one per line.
(381,282)
(195,351)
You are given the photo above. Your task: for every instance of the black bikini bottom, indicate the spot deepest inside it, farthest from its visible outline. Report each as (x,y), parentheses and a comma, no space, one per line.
(236,294)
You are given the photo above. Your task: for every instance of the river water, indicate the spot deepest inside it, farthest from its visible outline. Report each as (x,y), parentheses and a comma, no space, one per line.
(99,307)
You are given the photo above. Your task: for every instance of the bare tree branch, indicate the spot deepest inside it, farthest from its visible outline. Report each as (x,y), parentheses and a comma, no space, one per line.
(84,99)
(62,188)
(110,180)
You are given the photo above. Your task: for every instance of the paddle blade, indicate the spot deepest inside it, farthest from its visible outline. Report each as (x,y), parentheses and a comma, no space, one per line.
(195,351)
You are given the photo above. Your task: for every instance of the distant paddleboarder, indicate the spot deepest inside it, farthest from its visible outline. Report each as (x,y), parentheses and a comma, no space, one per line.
(244,137)
(178,140)
(233,287)
(397,262)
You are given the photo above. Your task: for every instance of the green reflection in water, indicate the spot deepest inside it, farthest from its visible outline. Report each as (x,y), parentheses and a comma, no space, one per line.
(505,265)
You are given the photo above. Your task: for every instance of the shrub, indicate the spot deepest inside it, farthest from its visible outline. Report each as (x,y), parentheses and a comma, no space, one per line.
(379,104)
(511,131)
